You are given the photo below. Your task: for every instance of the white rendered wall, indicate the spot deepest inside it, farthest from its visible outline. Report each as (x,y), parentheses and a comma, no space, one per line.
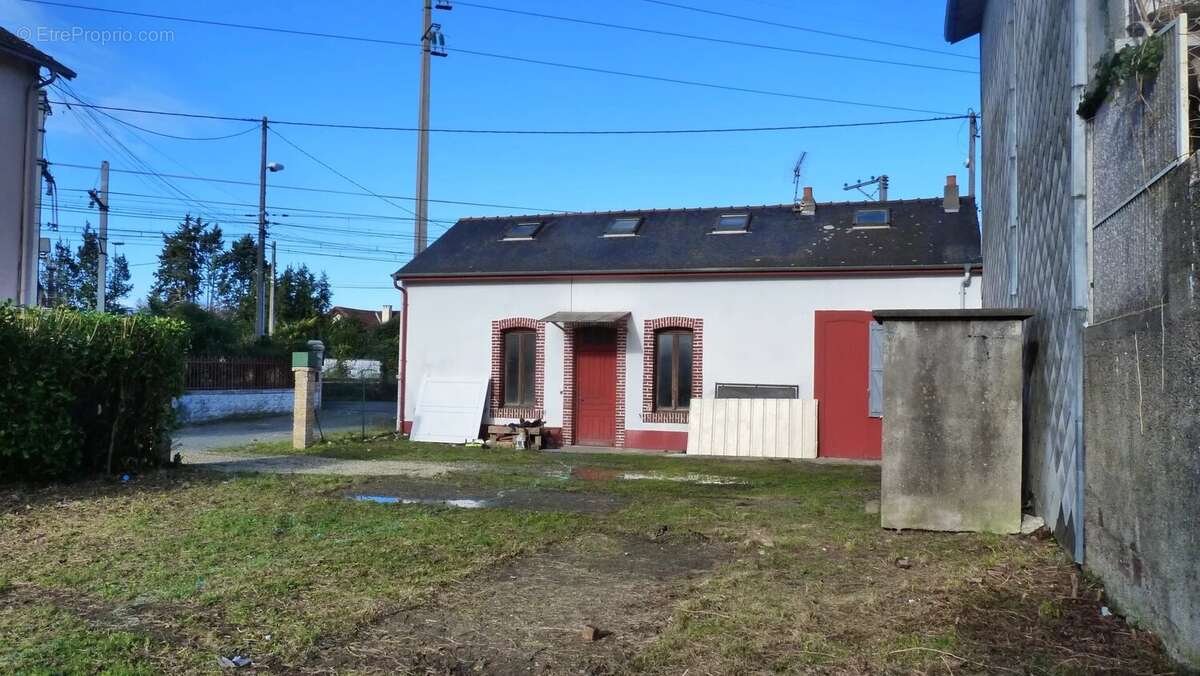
(756,330)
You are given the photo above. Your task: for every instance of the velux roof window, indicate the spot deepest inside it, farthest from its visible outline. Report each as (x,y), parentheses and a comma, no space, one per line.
(729,224)
(522,231)
(872,218)
(623,227)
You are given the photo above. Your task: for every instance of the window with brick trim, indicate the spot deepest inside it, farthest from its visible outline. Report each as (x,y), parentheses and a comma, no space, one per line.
(518,368)
(520,362)
(672,368)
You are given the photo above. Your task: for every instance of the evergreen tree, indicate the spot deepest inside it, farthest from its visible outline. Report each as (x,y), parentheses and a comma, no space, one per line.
(70,279)
(236,279)
(299,294)
(185,265)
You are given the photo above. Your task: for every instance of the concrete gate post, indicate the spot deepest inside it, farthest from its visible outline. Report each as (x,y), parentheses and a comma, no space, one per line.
(304,406)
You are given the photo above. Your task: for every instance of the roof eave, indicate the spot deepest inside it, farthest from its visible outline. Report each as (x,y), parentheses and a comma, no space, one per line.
(27,52)
(964,18)
(957,268)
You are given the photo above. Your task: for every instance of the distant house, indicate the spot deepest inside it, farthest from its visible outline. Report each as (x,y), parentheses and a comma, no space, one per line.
(367,318)
(607,325)
(23,109)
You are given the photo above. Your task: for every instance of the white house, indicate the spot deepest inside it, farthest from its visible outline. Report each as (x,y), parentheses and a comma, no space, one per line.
(607,325)
(22,115)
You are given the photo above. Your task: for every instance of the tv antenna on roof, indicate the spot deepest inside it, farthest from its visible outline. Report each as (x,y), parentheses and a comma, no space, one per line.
(797,172)
(879,194)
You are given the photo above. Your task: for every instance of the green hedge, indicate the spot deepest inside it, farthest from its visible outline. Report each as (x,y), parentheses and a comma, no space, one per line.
(83,393)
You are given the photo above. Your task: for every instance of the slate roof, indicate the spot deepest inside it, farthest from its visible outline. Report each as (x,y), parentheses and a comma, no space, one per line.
(921,235)
(11,44)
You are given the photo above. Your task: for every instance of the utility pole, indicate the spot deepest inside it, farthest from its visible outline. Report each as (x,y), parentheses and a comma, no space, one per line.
(271,321)
(102,240)
(432,44)
(973,131)
(259,307)
(420,224)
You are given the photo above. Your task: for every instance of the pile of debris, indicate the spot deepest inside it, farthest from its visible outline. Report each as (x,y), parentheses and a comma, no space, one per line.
(526,434)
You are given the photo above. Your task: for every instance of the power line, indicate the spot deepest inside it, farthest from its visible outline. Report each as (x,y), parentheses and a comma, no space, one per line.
(704,38)
(816,31)
(89,119)
(127,123)
(695,83)
(506,57)
(314,190)
(360,186)
(548,132)
(332,214)
(225,222)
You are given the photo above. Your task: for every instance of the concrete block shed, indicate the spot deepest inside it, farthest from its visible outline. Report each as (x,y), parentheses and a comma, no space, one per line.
(952,419)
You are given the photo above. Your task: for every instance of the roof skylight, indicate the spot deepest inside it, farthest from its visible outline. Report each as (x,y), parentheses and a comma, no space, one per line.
(522,231)
(623,227)
(731,224)
(872,218)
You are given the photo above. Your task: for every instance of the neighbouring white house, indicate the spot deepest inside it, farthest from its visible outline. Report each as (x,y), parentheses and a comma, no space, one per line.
(23,110)
(608,325)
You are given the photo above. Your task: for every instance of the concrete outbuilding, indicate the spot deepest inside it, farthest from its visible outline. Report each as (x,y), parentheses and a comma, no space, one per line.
(952,419)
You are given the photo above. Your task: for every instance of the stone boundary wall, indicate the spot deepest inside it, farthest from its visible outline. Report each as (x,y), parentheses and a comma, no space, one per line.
(210,405)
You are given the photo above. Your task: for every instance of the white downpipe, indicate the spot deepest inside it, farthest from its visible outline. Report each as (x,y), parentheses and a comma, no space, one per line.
(963,286)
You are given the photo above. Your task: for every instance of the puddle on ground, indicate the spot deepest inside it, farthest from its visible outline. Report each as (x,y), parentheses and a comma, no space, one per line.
(396,500)
(402,492)
(603,474)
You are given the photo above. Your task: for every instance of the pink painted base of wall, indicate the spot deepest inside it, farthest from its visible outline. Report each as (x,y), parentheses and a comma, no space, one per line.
(654,440)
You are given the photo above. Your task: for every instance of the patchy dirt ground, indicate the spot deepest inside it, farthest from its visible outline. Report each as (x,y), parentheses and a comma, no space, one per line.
(586,606)
(780,570)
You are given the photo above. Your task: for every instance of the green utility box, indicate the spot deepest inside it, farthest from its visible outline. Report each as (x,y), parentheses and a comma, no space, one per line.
(305,360)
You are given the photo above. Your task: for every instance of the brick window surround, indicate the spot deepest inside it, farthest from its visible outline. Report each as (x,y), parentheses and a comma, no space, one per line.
(498,409)
(649,331)
(568,430)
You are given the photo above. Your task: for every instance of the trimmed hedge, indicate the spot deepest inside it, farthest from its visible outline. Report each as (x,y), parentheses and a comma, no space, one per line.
(84,393)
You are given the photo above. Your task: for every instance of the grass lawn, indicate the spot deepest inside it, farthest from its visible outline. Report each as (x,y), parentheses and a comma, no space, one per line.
(682,565)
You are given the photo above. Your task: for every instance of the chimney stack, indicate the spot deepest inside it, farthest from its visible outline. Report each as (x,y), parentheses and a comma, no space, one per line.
(385,315)
(808,205)
(951,202)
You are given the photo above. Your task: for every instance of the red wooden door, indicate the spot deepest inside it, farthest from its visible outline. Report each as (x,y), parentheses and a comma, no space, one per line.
(595,386)
(845,428)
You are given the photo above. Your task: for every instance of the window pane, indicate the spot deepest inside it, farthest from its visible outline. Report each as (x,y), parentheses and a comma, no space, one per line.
(732,222)
(528,362)
(624,226)
(512,354)
(522,231)
(662,370)
(871,217)
(684,363)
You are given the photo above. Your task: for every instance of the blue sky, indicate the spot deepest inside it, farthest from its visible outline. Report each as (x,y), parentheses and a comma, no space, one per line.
(225,71)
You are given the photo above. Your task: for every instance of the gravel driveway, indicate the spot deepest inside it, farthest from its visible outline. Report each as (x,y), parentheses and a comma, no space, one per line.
(335,417)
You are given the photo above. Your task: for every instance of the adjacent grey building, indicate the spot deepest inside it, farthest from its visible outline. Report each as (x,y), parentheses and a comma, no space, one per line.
(1093,221)
(22,112)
